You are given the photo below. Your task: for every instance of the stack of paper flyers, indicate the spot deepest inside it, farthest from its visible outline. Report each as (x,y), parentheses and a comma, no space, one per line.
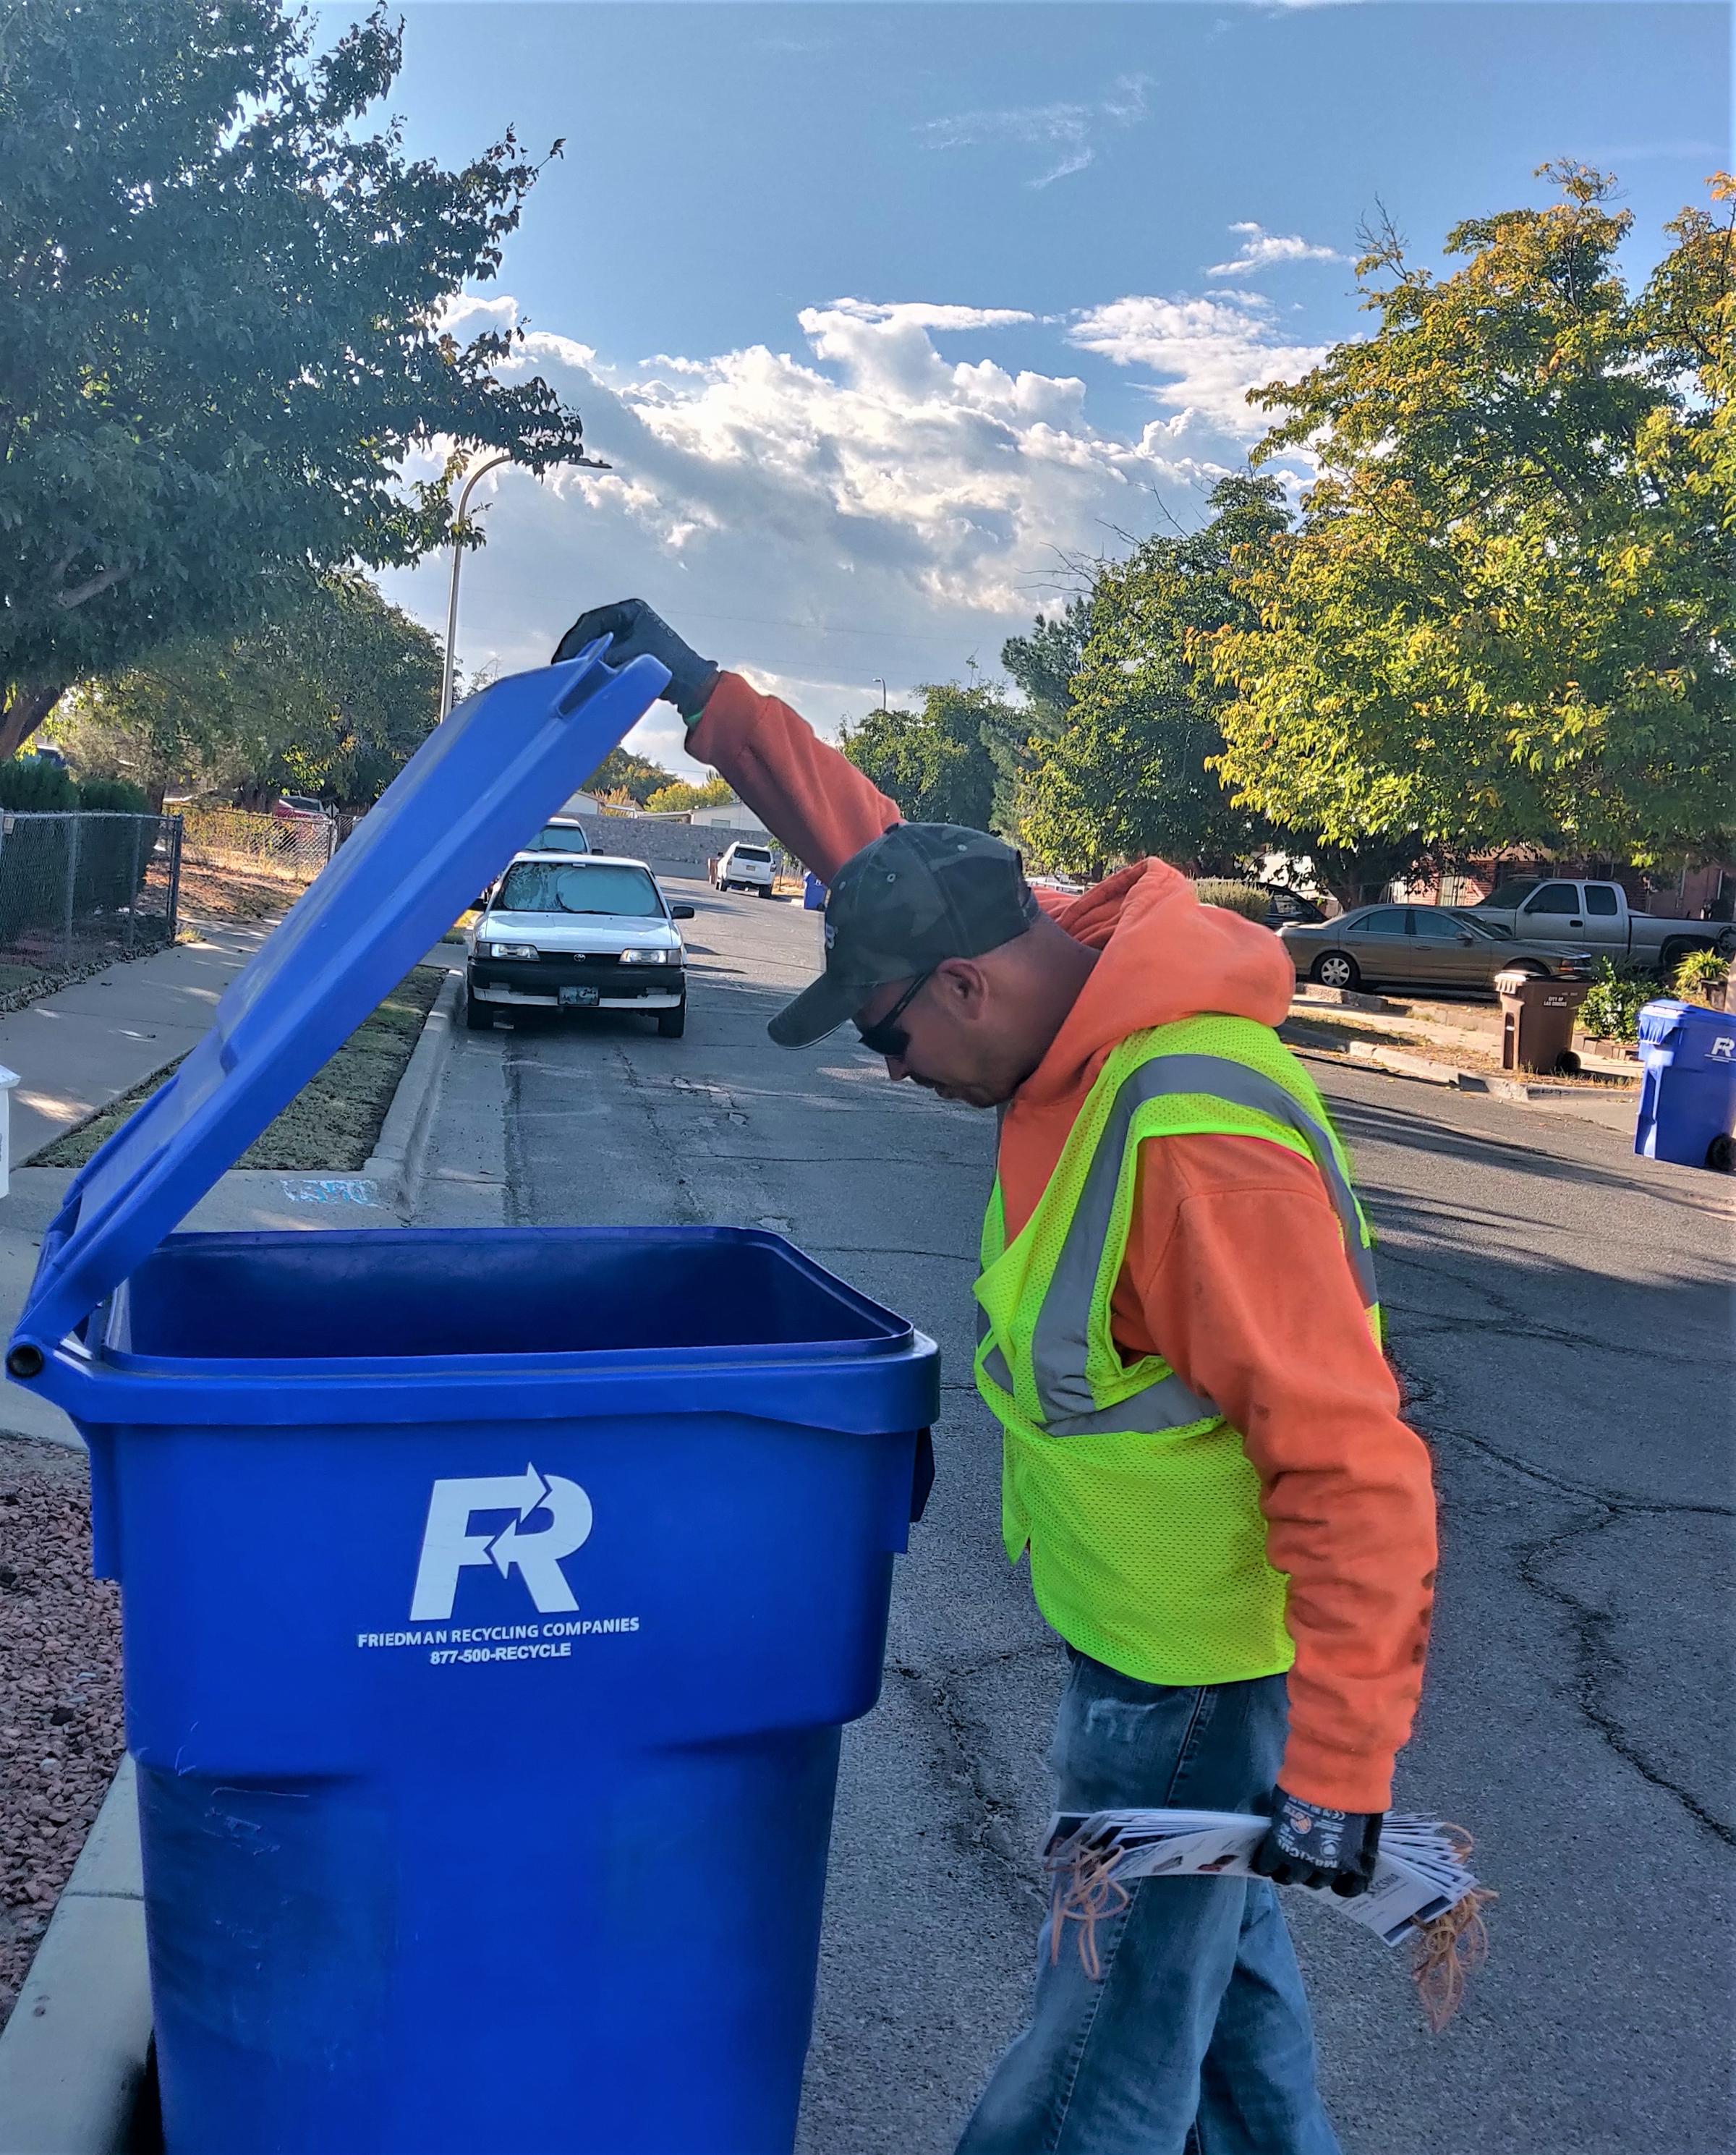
(1423,1888)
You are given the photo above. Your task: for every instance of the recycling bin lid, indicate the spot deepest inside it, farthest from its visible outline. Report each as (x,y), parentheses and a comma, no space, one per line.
(1698,1037)
(501,764)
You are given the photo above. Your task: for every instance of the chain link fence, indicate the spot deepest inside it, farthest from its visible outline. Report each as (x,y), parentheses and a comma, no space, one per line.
(239,865)
(78,889)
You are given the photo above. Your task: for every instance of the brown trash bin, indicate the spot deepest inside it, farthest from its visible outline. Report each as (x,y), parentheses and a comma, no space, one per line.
(1537,1022)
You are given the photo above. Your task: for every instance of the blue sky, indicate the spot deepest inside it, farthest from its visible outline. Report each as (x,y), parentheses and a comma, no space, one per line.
(880,310)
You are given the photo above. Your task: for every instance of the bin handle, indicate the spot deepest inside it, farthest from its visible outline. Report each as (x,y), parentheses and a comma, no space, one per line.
(922,1477)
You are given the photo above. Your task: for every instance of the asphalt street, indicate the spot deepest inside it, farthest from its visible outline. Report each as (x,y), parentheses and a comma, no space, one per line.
(1560,1314)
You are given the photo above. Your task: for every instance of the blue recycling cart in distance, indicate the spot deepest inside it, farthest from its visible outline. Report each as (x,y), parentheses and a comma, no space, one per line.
(493,1601)
(1687,1091)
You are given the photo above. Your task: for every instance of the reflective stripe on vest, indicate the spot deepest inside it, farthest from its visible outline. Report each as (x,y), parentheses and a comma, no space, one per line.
(1059,1343)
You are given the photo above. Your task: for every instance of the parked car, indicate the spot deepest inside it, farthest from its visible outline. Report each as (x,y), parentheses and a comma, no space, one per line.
(564,932)
(1420,946)
(746,867)
(1595,915)
(561,834)
(1289,905)
(298,808)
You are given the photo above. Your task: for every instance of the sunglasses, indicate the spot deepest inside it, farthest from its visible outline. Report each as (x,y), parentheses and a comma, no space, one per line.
(886,1036)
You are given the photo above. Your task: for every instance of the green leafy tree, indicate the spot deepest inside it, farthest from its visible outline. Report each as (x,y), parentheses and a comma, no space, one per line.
(330,692)
(679,795)
(1041,665)
(1130,769)
(1507,616)
(221,326)
(621,772)
(937,763)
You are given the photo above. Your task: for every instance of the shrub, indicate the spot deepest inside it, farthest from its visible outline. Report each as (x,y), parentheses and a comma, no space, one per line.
(30,785)
(1611,1012)
(1246,898)
(112,797)
(1700,978)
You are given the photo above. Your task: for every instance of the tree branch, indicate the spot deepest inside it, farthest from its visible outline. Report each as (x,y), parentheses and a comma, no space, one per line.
(92,587)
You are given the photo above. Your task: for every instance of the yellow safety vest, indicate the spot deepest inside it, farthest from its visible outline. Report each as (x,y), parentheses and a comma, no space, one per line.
(1134,1495)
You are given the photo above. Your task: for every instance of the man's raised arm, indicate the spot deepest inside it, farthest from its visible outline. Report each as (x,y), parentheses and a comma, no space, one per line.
(815,801)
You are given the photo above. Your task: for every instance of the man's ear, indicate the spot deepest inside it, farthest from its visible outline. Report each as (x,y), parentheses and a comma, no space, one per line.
(962,985)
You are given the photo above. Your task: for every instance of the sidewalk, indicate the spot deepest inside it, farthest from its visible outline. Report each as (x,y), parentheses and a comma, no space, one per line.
(76,1051)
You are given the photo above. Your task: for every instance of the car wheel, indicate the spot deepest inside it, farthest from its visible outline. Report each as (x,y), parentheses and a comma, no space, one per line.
(478,1017)
(765,890)
(672,1024)
(1332,969)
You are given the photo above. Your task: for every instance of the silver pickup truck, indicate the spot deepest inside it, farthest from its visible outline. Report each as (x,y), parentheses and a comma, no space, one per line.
(1596,917)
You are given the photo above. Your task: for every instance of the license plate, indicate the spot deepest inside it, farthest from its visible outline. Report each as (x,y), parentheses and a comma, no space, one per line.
(579,998)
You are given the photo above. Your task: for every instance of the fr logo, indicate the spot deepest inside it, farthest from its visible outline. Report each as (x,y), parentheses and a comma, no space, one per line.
(1723,1048)
(449,1546)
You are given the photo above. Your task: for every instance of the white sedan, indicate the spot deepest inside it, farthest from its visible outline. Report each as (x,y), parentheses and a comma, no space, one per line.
(567,932)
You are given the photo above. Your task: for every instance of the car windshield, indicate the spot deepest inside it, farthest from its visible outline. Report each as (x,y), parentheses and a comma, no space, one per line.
(1510,894)
(593,887)
(560,838)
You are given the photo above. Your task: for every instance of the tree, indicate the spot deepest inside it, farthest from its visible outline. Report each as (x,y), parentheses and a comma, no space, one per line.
(679,795)
(331,692)
(1129,770)
(630,776)
(937,763)
(1506,616)
(1041,665)
(221,308)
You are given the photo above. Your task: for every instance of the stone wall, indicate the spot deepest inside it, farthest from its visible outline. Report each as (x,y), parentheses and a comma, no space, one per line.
(675,846)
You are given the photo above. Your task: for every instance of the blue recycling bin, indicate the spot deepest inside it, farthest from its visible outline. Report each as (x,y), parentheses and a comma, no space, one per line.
(1687,1091)
(492,1601)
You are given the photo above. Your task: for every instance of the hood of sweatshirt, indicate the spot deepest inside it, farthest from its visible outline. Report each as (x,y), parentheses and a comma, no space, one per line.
(1164,956)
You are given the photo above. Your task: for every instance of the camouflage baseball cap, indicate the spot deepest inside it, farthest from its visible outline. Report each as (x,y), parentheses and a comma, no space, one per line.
(922,892)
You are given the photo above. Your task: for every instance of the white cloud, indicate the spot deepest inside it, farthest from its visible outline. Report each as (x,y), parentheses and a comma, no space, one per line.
(1259,250)
(1206,353)
(1069,130)
(868,507)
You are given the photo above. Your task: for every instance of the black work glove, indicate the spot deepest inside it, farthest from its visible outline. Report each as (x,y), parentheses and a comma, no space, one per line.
(635,631)
(1309,1845)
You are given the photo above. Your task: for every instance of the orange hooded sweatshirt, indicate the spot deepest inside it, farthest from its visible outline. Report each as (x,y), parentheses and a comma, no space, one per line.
(1235,1270)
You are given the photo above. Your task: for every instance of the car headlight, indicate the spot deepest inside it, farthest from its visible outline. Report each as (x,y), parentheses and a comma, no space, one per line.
(648,957)
(512,950)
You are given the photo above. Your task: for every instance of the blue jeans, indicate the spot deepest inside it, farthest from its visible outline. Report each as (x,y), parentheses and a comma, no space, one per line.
(1195,2037)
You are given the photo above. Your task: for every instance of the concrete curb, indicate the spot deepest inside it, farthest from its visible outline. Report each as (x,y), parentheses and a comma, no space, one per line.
(1520,1090)
(395,1162)
(74,2055)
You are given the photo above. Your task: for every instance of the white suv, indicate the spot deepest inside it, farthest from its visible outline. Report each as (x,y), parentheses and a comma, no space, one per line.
(746,867)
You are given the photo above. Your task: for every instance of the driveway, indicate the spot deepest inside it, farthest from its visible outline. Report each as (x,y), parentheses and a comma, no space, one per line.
(1559,1311)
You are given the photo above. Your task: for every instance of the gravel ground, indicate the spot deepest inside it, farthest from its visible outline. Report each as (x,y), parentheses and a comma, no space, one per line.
(60,1729)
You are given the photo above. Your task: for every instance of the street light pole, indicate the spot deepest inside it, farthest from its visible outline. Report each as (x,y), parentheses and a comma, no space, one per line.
(589,463)
(881,686)
(458,555)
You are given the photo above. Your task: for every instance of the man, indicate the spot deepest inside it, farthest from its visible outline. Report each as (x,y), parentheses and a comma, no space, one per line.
(1225,1520)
